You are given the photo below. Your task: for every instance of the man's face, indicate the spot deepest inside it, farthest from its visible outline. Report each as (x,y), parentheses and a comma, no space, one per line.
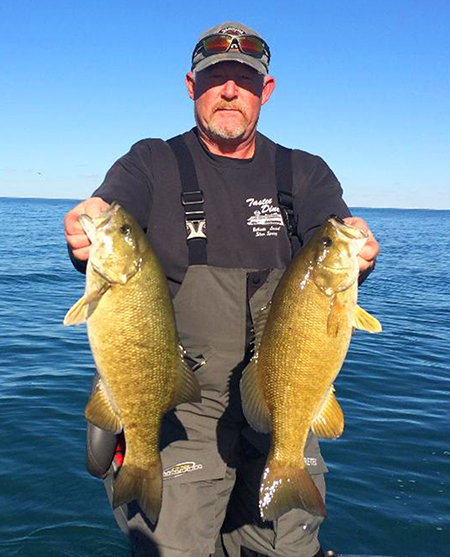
(228,98)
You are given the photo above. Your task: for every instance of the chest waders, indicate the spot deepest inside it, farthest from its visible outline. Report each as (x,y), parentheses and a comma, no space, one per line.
(208,448)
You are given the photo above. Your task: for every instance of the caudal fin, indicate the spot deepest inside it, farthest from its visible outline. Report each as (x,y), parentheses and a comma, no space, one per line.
(144,486)
(285,487)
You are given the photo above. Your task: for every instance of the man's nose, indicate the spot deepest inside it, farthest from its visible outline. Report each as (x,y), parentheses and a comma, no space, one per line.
(229,90)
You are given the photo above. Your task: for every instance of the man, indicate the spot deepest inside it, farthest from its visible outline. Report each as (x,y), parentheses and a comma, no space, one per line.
(246,206)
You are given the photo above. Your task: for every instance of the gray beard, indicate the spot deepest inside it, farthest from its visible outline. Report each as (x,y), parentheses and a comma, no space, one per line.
(226,133)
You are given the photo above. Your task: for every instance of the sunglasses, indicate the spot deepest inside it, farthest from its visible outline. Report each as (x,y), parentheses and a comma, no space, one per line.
(247,44)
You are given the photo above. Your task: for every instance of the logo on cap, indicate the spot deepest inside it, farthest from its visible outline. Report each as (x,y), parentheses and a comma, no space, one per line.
(232,31)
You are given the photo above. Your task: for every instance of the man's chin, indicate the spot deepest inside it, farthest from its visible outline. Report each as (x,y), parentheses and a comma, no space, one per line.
(228,133)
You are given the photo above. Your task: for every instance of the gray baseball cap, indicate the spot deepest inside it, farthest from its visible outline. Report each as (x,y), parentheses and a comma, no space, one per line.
(202,59)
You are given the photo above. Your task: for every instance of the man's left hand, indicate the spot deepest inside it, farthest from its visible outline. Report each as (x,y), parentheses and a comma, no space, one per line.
(368,254)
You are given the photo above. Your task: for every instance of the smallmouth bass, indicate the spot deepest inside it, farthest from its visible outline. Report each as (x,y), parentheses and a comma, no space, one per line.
(131,328)
(301,340)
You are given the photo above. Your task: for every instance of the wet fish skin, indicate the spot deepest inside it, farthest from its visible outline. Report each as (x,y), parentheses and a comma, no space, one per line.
(134,342)
(302,338)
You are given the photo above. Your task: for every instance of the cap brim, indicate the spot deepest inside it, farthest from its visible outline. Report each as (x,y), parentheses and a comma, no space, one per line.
(231,57)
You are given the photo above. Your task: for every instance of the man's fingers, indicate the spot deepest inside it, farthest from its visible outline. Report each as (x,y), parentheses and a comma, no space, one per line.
(72,224)
(368,254)
(81,254)
(74,232)
(370,250)
(77,241)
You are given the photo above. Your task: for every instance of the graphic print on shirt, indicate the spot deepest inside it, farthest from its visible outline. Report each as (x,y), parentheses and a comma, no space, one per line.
(266,218)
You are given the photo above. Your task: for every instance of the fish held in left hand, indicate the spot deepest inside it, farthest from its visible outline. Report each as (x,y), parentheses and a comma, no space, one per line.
(302,338)
(131,328)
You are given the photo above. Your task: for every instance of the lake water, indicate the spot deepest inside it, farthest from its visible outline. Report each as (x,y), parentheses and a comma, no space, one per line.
(388,486)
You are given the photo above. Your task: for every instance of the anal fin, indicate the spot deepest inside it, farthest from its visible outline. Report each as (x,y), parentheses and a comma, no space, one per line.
(100,411)
(329,422)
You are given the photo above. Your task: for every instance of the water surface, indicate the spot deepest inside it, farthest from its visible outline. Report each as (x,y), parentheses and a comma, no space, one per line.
(388,486)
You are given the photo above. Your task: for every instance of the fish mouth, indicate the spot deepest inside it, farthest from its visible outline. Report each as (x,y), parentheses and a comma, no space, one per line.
(105,217)
(348,230)
(91,225)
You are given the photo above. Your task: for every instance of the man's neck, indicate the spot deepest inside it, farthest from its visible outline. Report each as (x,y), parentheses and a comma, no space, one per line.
(230,148)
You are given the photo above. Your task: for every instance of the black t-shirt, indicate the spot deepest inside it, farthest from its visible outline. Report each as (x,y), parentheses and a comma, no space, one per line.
(244,224)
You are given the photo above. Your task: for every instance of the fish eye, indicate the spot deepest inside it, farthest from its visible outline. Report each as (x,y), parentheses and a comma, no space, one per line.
(327,241)
(125,228)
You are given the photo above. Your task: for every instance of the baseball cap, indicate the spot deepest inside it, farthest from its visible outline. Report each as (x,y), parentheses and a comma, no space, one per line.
(201,59)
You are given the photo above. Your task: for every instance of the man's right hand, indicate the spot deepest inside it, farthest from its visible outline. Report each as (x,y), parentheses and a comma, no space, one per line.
(75,235)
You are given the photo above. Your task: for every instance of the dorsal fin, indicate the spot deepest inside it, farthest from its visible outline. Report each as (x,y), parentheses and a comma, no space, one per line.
(187,388)
(259,325)
(254,405)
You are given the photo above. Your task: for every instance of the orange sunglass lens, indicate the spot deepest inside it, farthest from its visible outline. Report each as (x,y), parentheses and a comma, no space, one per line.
(251,45)
(216,44)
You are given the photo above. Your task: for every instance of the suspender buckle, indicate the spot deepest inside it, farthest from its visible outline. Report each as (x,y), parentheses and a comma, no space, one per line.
(194,216)
(192,197)
(195,227)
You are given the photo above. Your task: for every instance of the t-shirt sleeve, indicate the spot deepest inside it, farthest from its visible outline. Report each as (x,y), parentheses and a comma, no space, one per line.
(317,195)
(130,182)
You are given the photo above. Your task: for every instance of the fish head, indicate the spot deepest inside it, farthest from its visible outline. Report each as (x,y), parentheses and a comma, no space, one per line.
(334,259)
(118,243)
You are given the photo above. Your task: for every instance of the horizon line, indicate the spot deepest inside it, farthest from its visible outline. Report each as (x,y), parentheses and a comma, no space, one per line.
(350,206)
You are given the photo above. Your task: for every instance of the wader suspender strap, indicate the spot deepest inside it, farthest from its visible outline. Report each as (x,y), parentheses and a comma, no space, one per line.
(192,198)
(192,201)
(283,173)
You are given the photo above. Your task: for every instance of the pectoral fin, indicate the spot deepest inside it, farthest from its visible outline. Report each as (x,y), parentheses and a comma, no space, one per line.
(336,315)
(100,411)
(329,422)
(254,405)
(78,313)
(366,322)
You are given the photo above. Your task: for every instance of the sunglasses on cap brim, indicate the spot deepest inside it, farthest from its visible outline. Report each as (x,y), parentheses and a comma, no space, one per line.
(247,44)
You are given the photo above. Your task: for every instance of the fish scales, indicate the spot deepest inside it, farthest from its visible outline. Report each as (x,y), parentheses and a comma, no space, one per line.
(303,345)
(134,342)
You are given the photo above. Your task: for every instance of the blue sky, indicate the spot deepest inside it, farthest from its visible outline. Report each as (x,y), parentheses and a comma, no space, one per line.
(363,83)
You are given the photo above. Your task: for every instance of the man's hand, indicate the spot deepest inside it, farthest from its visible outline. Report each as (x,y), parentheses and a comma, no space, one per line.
(368,254)
(75,235)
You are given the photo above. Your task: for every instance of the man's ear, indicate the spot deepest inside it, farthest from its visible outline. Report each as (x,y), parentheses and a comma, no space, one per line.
(190,84)
(268,88)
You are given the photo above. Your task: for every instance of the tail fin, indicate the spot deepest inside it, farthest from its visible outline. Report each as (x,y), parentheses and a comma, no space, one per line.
(285,487)
(144,486)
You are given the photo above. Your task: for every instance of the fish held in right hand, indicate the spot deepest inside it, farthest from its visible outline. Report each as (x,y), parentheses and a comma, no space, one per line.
(132,333)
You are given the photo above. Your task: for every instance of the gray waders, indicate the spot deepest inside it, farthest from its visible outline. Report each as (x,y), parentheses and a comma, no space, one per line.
(212,459)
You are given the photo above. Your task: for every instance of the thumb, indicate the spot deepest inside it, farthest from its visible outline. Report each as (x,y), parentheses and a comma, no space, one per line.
(93,207)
